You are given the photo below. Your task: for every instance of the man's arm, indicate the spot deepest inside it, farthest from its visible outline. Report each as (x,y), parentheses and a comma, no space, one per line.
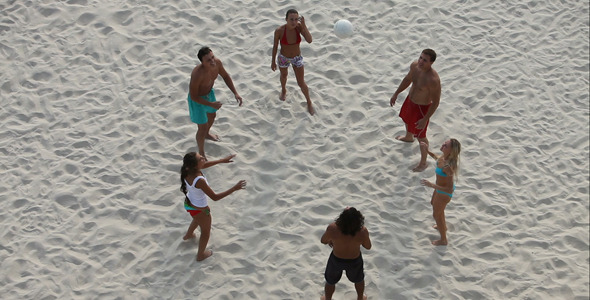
(196,80)
(227,79)
(433,106)
(402,86)
(367,240)
(327,237)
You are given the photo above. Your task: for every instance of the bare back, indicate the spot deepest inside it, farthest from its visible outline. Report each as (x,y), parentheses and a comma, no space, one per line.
(346,246)
(425,85)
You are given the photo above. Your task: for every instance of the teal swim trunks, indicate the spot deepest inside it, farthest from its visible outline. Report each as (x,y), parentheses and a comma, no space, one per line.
(197,111)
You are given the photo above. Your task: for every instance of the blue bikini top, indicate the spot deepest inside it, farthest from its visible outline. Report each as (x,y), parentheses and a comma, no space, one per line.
(440,171)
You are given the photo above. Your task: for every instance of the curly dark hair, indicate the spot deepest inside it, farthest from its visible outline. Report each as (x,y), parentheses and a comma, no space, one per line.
(350,221)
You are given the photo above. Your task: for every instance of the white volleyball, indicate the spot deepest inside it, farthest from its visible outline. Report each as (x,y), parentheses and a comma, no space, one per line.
(343,29)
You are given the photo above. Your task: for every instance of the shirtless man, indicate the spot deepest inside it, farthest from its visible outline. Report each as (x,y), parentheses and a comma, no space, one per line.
(201,98)
(346,236)
(421,103)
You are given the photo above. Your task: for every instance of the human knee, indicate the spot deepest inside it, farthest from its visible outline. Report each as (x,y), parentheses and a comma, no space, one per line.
(301,83)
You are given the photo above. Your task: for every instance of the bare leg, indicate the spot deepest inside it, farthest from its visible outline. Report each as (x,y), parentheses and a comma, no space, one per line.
(360,290)
(423,154)
(190,233)
(408,138)
(328,291)
(438,213)
(202,131)
(210,120)
(299,73)
(204,221)
(284,73)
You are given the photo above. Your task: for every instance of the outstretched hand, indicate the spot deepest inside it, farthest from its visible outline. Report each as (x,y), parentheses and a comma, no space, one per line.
(228,158)
(240,185)
(427,183)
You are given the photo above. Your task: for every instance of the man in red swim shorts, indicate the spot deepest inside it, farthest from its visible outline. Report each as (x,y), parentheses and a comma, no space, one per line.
(421,103)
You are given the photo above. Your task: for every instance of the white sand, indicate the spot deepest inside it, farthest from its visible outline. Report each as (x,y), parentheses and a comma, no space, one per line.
(94,124)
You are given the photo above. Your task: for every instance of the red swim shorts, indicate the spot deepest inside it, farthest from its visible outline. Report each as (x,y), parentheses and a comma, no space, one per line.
(412,113)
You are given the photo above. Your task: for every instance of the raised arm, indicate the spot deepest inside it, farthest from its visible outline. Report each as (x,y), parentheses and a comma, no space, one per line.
(226,159)
(423,145)
(327,236)
(202,184)
(366,239)
(304,31)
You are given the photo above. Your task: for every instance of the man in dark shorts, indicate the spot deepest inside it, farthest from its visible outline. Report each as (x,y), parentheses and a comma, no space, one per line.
(346,236)
(421,102)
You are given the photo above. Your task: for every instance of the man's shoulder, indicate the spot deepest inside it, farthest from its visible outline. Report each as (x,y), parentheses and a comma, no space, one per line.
(198,70)
(434,77)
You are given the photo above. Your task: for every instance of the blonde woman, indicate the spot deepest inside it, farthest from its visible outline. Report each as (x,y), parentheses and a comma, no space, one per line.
(447,166)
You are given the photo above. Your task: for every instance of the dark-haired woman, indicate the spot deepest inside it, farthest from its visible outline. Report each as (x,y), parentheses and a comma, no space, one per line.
(196,189)
(289,37)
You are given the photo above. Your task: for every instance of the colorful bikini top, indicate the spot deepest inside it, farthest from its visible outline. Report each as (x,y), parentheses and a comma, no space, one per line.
(284,38)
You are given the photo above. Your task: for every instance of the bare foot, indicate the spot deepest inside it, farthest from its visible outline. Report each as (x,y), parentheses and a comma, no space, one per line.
(420,167)
(213,137)
(205,255)
(310,109)
(283,95)
(439,242)
(403,138)
(186,237)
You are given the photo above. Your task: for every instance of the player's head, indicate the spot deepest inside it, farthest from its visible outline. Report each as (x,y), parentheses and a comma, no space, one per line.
(431,54)
(202,52)
(291,11)
(350,221)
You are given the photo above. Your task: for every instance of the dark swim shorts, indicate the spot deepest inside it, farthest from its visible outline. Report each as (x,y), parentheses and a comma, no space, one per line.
(353,267)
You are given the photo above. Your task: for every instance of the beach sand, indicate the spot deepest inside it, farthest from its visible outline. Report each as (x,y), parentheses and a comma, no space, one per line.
(94,124)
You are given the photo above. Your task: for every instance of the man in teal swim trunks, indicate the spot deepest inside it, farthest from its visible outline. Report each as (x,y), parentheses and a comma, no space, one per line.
(201,98)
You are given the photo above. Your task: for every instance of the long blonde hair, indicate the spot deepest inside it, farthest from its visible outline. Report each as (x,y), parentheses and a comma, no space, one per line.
(453,159)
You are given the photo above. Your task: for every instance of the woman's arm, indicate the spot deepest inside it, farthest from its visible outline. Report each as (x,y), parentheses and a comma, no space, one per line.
(202,184)
(423,145)
(226,159)
(275,48)
(304,31)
